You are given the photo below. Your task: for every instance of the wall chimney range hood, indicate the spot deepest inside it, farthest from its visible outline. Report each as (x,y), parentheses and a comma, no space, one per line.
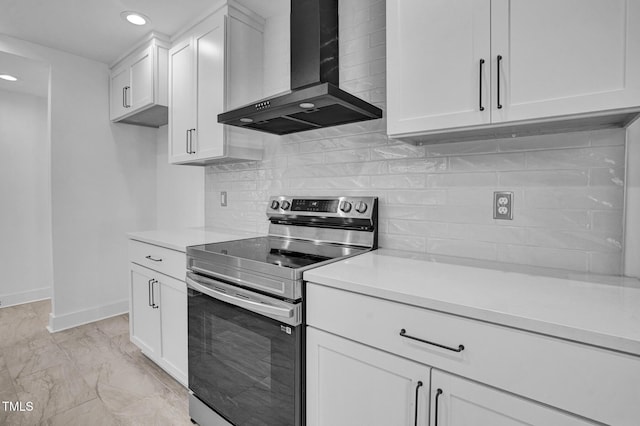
(315,100)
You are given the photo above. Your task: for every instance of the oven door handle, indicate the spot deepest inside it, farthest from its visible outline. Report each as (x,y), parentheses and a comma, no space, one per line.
(254,306)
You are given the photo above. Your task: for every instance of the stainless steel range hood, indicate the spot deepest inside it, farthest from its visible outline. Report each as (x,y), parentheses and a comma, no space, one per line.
(315,100)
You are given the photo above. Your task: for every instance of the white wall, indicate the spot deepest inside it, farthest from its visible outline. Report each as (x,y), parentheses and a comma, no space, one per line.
(26,271)
(179,190)
(632,203)
(102,185)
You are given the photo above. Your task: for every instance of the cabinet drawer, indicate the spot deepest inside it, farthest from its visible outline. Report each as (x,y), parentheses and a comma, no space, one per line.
(164,260)
(564,374)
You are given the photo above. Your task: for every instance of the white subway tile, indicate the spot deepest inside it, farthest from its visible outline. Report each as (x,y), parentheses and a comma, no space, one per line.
(398,181)
(606,263)
(452,180)
(542,256)
(347,155)
(394,152)
(544,178)
(462,248)
(330,183)
(422,197)
(606,177)
(305,159)
(418,228)
(549,218)
(418,165)
(607,221)
(553,141)
(612,156)
(402,242)
(489,233)
(511,161)
(461,148)
(571,197)
(577,240)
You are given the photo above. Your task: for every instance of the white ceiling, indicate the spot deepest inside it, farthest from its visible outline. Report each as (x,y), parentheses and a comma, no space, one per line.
(33,76)
(94,28)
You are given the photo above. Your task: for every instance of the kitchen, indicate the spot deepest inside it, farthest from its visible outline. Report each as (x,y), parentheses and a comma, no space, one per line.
(573,183)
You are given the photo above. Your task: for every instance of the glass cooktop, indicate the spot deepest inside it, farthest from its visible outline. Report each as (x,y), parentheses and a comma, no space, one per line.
(280,251)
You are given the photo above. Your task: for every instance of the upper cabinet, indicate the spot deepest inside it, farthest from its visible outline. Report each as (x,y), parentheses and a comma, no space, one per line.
(216,66)
(475,67)
(138,87)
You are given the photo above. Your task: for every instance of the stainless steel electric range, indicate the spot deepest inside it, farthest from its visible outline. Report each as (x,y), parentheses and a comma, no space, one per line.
(246,310)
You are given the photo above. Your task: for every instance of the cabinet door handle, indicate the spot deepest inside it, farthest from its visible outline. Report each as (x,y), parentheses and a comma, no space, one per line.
(435,417)
(498,81)
(126,92)
(154,259)
(191,132)
(124,97)
(403,333)
(415,416)
(481,67)
(149,292)
(153,295)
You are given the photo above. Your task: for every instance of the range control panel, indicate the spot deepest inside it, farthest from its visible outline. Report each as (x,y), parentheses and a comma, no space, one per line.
(357,207)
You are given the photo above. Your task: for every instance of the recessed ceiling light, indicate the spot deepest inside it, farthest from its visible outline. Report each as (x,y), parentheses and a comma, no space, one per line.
(8,77)
(136,18)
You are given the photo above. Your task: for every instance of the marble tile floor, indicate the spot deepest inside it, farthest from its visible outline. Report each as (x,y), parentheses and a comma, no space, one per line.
(88,375)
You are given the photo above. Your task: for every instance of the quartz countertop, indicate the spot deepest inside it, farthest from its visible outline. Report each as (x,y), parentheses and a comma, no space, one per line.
(180,238)
(597,310)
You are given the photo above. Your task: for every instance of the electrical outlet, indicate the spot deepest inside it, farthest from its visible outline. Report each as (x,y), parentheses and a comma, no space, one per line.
(503,205)
(223,198)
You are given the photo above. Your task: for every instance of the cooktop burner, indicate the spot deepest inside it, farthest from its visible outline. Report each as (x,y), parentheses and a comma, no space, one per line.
(279,251)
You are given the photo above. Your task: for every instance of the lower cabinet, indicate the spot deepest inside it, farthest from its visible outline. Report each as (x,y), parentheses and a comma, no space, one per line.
(459,402)
(350,384)
(158,319)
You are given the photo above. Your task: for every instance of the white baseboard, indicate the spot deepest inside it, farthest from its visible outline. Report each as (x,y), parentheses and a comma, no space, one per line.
(25,297)
(74,319)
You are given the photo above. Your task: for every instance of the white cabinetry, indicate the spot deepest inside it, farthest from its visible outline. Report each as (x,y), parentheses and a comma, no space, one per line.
(496,64)
(138,86)
(158,306)
(352,384)
(215,67)
(543,370)
(460,402)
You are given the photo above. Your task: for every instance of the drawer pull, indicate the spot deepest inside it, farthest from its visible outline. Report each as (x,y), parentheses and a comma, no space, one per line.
(403,333)
(151,258)
(415,416)
(438,393)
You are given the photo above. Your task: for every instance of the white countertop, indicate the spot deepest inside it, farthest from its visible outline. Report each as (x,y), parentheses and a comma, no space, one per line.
(601,311)
(180,238)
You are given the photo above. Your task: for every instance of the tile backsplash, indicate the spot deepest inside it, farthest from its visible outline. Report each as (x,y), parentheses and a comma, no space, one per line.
(568,188)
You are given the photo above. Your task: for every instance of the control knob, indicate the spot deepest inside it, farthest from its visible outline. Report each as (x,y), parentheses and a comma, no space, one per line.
(285,205)
(275,204)
(361,207)
(345,206)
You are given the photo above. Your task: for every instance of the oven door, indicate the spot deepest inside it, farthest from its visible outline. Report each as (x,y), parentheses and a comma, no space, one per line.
(245,353)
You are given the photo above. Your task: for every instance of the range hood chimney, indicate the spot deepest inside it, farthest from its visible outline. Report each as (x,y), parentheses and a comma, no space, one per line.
(315,100)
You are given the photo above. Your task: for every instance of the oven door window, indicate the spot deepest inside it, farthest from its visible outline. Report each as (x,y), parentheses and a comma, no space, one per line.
(244,365)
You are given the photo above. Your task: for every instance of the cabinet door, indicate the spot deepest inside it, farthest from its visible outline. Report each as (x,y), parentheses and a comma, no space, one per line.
(118,97)
(209,48)
(434,76)
(142,80)
(182,102)
(459,402)
(145,319)
(349,384)
(173,315)
(564,57)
